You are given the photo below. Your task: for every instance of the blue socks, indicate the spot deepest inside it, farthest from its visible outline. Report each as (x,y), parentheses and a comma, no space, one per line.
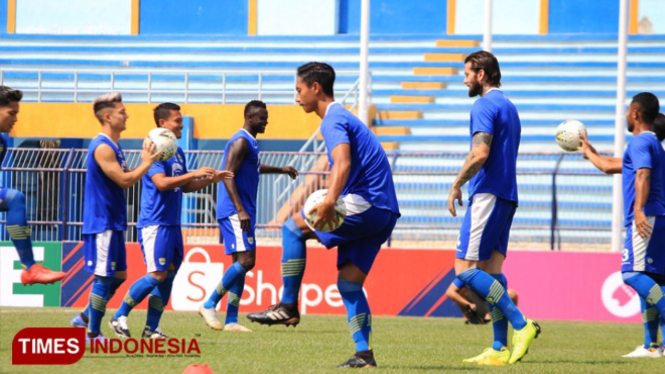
(97,304)
(115,284)
(235,294)
(157,300)
(499,321)
(495,294)
(231,276)
(137,292)
(650,318)
(358,314)
(647,288)
(294,254)
(13,203)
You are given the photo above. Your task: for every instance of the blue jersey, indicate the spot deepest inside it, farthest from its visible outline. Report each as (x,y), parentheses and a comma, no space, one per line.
(496,115)
(162,207)
(104,203)
(370,176)
(644,151)
(246,179)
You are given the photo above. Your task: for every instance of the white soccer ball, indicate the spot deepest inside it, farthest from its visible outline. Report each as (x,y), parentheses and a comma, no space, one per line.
(568,135)
(165,141)
(316,198)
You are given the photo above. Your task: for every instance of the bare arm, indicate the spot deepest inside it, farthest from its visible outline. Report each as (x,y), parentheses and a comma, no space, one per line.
(475,160)
(608,165)
(339,174)
(642,182)
(164,183)
(234,159)
(291,171)
(107,161)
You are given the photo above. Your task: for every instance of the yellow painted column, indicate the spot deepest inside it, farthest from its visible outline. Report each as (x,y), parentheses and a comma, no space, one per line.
(136,6)
(544,27)
(451,17)
(11,17)
(633,15)
(252,12)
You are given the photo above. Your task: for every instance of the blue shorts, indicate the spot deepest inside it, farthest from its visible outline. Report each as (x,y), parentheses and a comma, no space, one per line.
(360,237)
(645,255)
(105,253)
(486,227)
(161,246)
(234,238)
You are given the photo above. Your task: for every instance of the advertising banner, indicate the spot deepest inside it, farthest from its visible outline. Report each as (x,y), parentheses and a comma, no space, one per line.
(407,282)
(12,292)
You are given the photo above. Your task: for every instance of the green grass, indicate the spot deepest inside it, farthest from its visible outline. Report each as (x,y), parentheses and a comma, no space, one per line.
(401,344)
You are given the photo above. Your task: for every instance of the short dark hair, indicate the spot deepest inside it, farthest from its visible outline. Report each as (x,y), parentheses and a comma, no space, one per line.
(659,126)
(254,104)
(483,60)
(7,95)
(105,101)
(163,111)
(649,106)
(319,72)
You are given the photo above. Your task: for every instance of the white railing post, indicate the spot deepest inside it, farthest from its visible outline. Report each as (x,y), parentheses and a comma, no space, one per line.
(76,86)
(112,81)
(223,88)
(487,35)
(260,86)
(364,61)
(39,87)
(150,87)
(619,121)
(186,88)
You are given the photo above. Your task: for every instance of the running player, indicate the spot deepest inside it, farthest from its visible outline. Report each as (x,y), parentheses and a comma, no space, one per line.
(236,213)
(105,207)
(360,173)
(642,168)
(13,201)
(160,234)
(490,169)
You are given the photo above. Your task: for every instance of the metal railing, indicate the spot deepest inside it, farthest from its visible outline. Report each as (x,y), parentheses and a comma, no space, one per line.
(150,85)
(563,200)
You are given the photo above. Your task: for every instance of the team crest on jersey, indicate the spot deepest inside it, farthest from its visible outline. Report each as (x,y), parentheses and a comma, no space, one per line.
(250,240)
(162,261)
(113,265)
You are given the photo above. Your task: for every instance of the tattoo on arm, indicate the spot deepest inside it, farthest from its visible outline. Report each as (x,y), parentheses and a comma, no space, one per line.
(472,165)
(482,137)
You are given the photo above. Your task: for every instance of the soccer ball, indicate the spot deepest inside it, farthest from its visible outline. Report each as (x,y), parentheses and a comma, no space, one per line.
(164,140)
(568,135)
(317,198)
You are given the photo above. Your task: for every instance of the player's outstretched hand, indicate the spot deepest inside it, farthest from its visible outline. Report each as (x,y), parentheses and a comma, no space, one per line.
(586,147)
(455,194)
(325,215)
(148,153)
(642,225)
(222,174)
(291,171)
(204,172)
(245,221)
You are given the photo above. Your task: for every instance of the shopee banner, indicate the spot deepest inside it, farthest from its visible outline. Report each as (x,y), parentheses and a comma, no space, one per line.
(551,285)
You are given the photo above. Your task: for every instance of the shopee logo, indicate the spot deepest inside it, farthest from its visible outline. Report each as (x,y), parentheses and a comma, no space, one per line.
(48,346)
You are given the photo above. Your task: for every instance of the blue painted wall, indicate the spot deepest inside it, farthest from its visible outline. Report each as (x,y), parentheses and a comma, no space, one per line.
(575,16)
(3,16)
(395,17)
(193,17)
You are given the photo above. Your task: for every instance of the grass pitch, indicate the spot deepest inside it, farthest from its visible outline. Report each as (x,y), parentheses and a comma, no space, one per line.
(319,343)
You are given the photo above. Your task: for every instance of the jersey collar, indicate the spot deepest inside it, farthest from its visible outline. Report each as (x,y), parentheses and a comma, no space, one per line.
(109,138)
(328,107)
(248,133)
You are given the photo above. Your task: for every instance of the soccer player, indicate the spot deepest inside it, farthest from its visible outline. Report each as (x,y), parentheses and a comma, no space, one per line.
(642,168)
(13,201)
(160,235)
(105,206)
(360,173)
(490,169)
(236,213)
